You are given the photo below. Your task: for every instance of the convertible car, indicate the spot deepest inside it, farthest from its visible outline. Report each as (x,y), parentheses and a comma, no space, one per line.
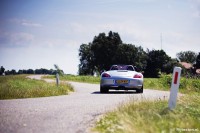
(121,77)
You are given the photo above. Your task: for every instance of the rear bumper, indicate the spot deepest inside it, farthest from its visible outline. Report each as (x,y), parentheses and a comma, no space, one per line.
(133,84)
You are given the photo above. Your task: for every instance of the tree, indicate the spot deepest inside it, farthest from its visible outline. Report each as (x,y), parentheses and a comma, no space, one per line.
(86,65)
(187,56)
(106,50)
(168,68)
(20,72)
(131,54)
(52,72)
(7,72)
(2,70)
(30,71)
(13,72)
(24,71)
(198,61)
(156,62)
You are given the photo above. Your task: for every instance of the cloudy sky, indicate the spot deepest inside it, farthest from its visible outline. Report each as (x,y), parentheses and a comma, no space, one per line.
(40,33)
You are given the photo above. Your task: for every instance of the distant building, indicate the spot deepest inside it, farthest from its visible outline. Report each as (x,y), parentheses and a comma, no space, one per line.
(189,66)
(186,65)
(198,71)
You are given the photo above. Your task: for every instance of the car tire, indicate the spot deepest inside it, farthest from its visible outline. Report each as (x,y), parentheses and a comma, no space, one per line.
(140,90)
(104,90)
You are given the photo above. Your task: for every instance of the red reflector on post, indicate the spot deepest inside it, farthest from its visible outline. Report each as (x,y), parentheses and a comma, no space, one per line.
(175,78)
(174,88)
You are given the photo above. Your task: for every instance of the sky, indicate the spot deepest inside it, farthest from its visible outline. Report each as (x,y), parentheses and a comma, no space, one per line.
(37,34)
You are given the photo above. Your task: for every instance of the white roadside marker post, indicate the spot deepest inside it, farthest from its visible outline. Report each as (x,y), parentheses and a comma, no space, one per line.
(174,88)
(57,79)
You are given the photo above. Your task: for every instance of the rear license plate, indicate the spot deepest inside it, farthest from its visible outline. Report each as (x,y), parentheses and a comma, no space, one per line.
(121,81)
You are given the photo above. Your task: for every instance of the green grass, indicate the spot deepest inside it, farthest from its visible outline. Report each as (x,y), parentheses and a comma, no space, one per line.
(152,117)
(13,87)
(163,83)
(84,79)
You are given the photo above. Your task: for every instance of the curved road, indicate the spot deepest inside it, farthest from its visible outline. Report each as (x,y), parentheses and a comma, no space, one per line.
(74,113)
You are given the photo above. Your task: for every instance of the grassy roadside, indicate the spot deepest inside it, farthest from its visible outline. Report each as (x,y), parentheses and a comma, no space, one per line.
(13,87)
(153,117)
(83,79)
(162,83)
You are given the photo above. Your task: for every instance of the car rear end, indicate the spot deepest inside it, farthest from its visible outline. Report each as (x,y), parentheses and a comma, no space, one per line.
(121,80)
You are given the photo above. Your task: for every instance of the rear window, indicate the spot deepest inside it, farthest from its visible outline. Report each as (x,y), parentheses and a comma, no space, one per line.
(122,67)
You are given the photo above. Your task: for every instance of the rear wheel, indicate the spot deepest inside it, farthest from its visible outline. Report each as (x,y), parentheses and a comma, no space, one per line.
(140,90)
(104,90)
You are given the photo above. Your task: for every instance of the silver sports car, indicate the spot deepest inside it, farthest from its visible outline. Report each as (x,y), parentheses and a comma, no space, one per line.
(121,77)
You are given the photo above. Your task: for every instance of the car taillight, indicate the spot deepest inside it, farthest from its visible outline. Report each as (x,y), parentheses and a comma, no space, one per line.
(137,76)
(105,75)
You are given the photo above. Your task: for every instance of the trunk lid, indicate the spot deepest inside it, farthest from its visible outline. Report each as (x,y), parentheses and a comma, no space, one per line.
(122,73)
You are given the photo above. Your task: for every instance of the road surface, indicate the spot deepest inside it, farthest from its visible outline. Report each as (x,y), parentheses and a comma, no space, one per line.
(74,113)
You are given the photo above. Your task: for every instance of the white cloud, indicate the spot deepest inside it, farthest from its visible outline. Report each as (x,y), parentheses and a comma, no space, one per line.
(195,5)
(25,22)
(21,38)
(15,39)
(130,31)
(196,14)
(56,43)
(31,24)
(78,28)
(174,42)
(136,33)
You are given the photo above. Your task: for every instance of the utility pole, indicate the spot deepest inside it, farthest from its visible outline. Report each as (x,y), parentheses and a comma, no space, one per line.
(161,40)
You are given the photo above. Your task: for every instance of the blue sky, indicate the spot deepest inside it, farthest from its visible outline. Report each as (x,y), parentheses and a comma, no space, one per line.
(40,33)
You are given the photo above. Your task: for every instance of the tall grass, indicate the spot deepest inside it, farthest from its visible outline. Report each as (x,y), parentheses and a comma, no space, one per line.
(163,83)
(84,79)
(12,87)
(153,117)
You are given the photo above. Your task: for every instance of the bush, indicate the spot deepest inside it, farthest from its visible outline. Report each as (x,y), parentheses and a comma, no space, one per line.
(164,83)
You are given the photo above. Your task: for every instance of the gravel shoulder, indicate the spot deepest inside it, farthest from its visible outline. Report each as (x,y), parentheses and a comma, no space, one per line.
(74,113)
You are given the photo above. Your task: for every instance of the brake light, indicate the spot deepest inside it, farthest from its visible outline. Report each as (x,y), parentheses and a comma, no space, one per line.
(137,76)
(105,75)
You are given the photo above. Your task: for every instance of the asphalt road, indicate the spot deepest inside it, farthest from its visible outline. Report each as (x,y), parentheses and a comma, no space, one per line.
(74,113)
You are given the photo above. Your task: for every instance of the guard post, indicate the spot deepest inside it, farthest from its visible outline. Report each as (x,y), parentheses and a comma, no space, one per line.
(174,87)
(57,79)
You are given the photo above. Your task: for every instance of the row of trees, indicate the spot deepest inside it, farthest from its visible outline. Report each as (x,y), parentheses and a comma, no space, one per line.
(106,50)
(31,71)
